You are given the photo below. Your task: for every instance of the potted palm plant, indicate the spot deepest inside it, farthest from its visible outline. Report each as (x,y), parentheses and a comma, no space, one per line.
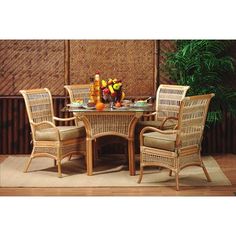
(205,66)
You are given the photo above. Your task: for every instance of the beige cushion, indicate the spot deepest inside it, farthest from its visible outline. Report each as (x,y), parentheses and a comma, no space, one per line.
(66,133)
(160,141)
(169,124)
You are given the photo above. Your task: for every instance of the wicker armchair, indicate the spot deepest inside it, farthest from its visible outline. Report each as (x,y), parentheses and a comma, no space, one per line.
(179,148)
(168,98)
(49,140)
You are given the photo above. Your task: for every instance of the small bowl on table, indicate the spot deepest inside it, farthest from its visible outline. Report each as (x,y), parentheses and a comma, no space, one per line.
(141,103)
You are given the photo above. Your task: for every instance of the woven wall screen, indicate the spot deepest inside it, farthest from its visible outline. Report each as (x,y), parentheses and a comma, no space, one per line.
(27,64)
(132,61)
(166,46)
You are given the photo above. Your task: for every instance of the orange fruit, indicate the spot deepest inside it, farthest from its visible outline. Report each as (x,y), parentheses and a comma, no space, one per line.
(100,106)
(118,104)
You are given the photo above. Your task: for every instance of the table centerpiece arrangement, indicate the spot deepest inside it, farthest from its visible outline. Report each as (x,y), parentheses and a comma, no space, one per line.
(111,92)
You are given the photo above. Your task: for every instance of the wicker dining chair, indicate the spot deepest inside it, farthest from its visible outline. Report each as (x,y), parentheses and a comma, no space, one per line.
(78,91)
(49,140)
(168,98)
(179,148)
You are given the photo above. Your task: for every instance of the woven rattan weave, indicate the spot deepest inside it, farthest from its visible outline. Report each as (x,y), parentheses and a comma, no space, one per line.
(78,91)
(39,108)
(189,132)
(168,98)
(132,61)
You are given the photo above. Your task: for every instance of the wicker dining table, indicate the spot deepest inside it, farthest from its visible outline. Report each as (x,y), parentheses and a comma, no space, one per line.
(110,121)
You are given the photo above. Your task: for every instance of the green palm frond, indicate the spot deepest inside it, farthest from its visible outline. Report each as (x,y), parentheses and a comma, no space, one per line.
(205,67)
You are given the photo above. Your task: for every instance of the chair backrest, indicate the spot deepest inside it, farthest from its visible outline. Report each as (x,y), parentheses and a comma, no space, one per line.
(168,100)
(192,118)
(38,104)
(78,91)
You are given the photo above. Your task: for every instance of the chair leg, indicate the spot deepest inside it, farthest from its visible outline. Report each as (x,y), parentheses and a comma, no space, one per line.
(170,173)
(59,168)
(205,172)
(55,162)
(141,175)
(177,180)
(28,164)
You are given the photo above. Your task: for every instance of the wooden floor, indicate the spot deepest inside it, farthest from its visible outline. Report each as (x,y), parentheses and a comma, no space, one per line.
(226,162)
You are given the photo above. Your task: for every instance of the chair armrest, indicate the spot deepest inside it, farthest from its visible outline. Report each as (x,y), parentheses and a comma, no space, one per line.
(64,119)
(43,123)
(168,118)
(149,128)
(47,123)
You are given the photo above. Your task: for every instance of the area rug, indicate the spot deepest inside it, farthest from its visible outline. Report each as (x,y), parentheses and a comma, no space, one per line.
(109,171)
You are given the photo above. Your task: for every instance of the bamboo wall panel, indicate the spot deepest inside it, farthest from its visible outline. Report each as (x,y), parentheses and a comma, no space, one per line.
(132,61)
(15,134)
(14,126)
(166,46)
(26,64)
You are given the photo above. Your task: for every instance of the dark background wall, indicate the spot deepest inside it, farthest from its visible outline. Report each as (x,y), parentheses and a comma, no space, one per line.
(26,64)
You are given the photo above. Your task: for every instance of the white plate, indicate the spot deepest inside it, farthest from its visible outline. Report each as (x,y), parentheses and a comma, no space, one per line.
(88,108)
(74,105)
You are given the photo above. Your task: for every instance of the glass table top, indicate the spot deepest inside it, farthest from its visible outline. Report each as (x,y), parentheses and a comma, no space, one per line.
(146,108)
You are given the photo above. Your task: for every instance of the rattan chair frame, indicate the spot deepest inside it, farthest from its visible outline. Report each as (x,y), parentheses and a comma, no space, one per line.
(189,134)
(41,115)
(168,100)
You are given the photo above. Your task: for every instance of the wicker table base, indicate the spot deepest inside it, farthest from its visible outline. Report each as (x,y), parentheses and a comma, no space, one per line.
(116,123)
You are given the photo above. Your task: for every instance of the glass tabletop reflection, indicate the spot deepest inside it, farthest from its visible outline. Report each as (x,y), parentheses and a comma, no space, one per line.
(146,108)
